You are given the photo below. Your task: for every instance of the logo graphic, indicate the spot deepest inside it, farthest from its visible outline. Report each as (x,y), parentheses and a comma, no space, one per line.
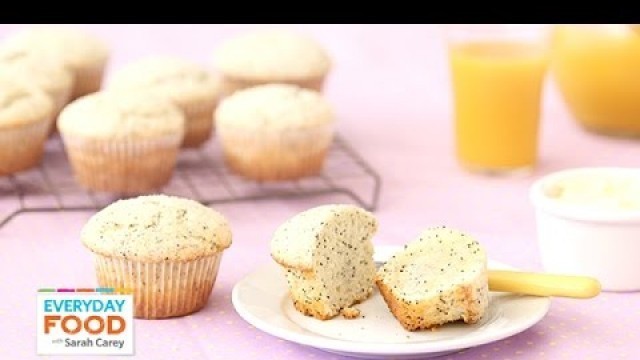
(95,321)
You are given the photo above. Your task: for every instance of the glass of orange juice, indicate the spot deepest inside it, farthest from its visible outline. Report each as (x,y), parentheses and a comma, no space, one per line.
(597,68)
(497,77)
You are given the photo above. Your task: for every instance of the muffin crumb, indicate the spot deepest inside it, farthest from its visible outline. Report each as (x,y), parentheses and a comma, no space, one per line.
(350,313)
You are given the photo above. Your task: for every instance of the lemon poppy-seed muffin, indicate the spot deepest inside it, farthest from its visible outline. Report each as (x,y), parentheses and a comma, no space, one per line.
(25,118)
(48,74)
(272,56)
(166,249)
(192,88)
(440,277)
(84,54)
(122,142)
(275,131)
(326,254)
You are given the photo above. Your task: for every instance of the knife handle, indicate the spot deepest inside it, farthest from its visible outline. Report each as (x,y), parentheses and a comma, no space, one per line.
(539,284)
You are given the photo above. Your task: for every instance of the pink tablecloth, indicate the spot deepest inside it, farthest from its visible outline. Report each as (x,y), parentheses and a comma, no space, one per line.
(390,88)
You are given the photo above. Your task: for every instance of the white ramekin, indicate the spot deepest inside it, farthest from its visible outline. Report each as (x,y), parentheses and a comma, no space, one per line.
(601,243)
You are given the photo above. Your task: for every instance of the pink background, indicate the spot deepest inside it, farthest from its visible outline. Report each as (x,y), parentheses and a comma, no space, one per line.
(390,88)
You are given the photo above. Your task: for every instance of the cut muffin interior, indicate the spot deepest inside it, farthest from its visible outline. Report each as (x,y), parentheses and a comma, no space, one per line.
(327,256)
(440,277)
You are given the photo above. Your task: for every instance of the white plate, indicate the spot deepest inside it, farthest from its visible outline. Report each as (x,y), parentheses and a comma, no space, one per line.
(262,299)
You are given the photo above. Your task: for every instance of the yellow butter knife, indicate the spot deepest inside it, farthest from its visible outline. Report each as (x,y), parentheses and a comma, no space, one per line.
(541,284)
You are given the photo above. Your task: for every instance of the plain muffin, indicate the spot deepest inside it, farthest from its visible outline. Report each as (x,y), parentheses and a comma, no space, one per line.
(191,87)
(271,56)
(167,249)
(122,142)
(48,74)
(25,118)
(275,131)
(83,54)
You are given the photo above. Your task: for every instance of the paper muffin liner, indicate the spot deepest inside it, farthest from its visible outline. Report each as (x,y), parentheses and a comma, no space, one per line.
(232,84)
(128,166)
(87,79)
(198,121)
(22,147)
(270,155)
(162,289)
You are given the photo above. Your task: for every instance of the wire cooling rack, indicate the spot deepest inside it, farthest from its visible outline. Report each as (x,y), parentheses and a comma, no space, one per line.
(199,175)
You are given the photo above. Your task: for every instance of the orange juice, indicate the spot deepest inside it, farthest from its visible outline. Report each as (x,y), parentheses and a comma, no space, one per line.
(497,87)
(598,71)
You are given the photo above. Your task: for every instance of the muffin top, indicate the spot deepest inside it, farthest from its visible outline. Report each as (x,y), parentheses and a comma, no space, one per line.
(272,55)
(182,81)
(121,115)
(74,47)
(49,74)
(157,228)
(21,104)
(274,107)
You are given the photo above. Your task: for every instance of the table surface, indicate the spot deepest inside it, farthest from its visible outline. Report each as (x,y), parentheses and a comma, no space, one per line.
(390,88)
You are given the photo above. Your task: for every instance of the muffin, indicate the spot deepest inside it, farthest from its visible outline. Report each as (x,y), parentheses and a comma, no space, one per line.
(48,74)
(272,56)
(440,277)
(275,131)
(122,142)
(166,249)
(83,54)
(25,118)
(193,89)
(306,244)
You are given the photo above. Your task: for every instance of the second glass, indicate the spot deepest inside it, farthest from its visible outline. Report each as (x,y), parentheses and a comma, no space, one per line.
(497,75)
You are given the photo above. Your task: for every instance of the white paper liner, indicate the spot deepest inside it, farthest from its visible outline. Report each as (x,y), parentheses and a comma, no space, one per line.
(22,147)
(163,289)
(126,165)
(271,154)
